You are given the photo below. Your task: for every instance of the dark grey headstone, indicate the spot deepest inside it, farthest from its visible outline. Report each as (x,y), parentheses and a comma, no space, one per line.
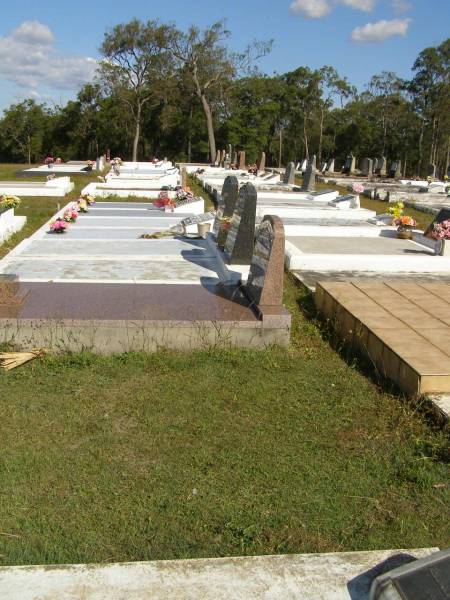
(235,158)
(289,174)
(265,280)
(366,167)
(395,169)
(225,209)
(349,166)
(309,178)
(240,238)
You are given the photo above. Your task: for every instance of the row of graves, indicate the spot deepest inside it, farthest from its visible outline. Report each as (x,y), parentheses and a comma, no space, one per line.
(400,284)
(145,274)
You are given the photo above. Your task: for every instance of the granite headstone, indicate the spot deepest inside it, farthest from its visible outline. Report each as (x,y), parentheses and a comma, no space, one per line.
(289,174)
(367,167)
(225,209)
(262,163)
(309,178)
(241,235)
(242,163)
(265,281)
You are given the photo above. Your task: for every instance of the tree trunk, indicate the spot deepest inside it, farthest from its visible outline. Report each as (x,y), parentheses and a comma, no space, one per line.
(320,138)
(305,137)
(137,132)
(29,150)
(210,127)
(419,166)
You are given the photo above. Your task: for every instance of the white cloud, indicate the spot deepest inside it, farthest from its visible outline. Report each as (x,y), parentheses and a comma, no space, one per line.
(364,5)
(380,31)
(29,59)
(311,9)
(316,9)
(401,6)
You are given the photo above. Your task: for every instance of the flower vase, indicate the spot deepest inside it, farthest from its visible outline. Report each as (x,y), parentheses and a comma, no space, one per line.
(404,232)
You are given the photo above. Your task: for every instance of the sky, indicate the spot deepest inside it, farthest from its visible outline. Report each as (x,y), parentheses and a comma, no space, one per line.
(49,49)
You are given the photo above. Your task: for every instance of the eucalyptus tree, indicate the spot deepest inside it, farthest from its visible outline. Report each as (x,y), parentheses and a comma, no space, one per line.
(23,129)
(135,68)
(211,65)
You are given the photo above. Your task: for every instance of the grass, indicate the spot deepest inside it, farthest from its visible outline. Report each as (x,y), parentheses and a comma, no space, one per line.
(214,453)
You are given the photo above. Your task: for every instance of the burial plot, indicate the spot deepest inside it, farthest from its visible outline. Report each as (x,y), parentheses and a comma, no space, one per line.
(240,238)
(289,174)
(265,280)
(309,178)
(225,209)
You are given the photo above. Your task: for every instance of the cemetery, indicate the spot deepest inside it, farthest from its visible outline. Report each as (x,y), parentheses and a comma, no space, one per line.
(224,373)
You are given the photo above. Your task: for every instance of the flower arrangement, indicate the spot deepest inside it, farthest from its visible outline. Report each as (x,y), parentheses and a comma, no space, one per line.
(7,202)
(405,221)
(163,200)
(358,188)
(70,215)
(183,194)
(59,226)
(396,210)
(50,177)
(49,161)
(58,161)
(89,165)
(116,161)
(82,205)
(441,231)
(89,199)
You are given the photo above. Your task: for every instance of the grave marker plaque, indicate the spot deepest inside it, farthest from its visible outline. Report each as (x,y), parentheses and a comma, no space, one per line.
(225,209)
(265,280)
(240,238)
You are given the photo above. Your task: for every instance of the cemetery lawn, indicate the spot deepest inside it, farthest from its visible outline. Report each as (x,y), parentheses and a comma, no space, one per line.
(213,453)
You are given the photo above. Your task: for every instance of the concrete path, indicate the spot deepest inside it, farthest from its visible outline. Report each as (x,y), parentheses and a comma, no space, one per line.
(342,576)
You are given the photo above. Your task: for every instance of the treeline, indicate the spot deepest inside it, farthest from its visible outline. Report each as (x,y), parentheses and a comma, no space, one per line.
(164,92)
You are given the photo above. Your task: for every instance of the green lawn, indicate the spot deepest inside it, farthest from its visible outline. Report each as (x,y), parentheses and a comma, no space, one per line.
(214,453)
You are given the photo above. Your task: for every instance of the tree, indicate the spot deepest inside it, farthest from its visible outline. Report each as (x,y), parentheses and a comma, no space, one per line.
(211,66)
(23,129)
(135,67)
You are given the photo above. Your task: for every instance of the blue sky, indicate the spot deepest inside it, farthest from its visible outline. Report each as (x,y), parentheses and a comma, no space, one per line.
(48,49)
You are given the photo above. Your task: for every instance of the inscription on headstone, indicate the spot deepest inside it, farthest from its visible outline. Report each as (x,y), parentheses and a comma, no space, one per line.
(240,238)
(225,209)
(265,280)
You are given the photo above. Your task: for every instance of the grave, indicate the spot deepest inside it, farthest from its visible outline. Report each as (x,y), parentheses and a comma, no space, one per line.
(349,166)
(289,174)
(10,223)
(395,169)
(330,166)
(403,327)
(56,188)
(242,164)
(366,167)
(262,163)
(265,280)
(309,178)
(101,286)
(225,209)
(240,238)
